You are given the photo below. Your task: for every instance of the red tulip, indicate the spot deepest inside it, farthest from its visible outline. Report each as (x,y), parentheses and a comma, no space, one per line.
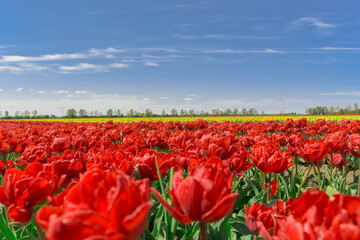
(204,196)
(259,216)
(313,151)
(23,190)
(273,188)
(103,205)
(269,159)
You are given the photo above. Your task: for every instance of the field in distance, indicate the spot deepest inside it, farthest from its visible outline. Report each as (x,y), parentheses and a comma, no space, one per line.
(259,118)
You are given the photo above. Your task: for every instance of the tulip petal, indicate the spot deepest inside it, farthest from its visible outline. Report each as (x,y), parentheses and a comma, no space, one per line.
(175,213)
(221,209)
(138,216)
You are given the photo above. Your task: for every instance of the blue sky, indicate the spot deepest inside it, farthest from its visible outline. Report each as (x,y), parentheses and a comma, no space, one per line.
(178,54)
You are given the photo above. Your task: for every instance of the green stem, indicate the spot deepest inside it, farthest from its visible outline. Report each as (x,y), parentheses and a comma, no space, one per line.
(332,167)
(278,185)
(269,189)
(236,185)
(203,231)
(319,176)
(305,179)
(296,166)
(40,233)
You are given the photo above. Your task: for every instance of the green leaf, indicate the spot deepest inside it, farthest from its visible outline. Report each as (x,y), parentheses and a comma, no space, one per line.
(6,230)
(330,191)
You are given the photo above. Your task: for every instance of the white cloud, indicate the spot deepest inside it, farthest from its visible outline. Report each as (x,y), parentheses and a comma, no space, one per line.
(342,93)
(312,21)
(340,48)
(81,92)
(163,98)
(69,96)
(41,92)
(20,89)
(61,92)
(194,95)
(151,64)
(82,66)
(1,90)
(268,50)
(10,68)
(146,99)
(119,65)
(91,53)
(31,67)
(188,99)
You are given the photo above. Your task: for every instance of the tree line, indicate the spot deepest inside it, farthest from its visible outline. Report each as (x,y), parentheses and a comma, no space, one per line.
(324,110)
(83,113)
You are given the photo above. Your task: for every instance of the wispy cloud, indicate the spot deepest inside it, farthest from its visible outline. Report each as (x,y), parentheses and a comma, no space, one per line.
(220,36)
(151,64)
(1,90)
(88,67)
(61,92)
(340,48)
(20,89)
(119,65)
(41,92)
(315,22)
(163,98)
(93,52)
(82,67)
(81,92)
(342,93)
(188,99)
(268,50)
(11,69)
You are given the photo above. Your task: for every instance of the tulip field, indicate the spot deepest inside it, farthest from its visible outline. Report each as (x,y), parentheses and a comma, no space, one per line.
(190,179)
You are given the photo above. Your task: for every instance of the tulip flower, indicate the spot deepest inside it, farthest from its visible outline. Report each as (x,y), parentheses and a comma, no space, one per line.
(23,190)
(103,205)
(204,196)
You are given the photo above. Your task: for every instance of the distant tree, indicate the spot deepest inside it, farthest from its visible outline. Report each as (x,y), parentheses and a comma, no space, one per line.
(6,113)
(244,111)
(356,106)
(96,113)
(34,113)
(17,114)
(163,113)
(109,113)
(235,112)
(71,113)
(174,112)
(349,108)
(191,112)
(262,112)
(118,113)
(227,112)
(26,113)
(182,112)
(131,113)
(148,113)
(251,111)
(331,109)
(82,113)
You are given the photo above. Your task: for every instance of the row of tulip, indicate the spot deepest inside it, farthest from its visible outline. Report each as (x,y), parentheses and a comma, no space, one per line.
(250,118)
(173,180)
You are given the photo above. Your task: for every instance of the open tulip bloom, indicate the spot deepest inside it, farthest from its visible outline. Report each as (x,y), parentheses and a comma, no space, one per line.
(204,196)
